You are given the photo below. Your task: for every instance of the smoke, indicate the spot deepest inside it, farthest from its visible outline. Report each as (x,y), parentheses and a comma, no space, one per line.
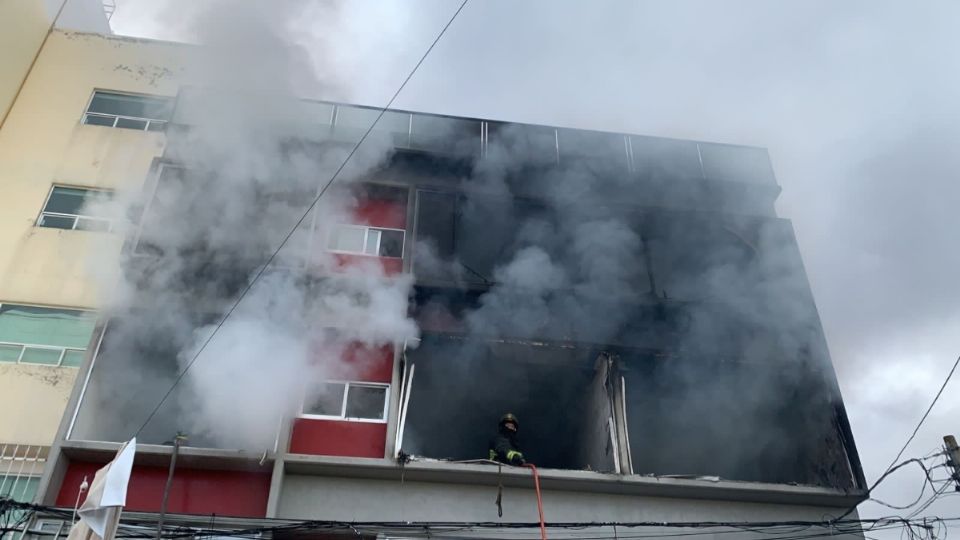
(853,100)
(244,161)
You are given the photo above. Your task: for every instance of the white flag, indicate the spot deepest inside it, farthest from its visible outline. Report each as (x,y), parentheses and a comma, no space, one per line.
(100,512)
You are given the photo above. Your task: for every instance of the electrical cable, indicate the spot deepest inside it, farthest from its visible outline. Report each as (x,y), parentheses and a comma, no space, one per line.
(927,413)
(881,479)
(316,199)
(891,467)
(923,487)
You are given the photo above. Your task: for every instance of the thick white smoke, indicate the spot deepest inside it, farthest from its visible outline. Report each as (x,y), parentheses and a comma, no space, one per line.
(247,163)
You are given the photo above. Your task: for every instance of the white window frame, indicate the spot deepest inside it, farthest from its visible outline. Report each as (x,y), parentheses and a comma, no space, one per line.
(117,117)
(366,238)
(76,217)
(343,405)
(23,346)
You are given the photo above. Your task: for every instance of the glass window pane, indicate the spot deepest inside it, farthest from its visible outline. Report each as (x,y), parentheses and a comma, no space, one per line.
(9,353)
(373,242)
(536,145)
(156,126)
(131,124)
(664,159)
(391,243)
(72,358)
(57,222)
(366,402)
(327,400)
(96,225)
(353,122)
(22,489)
(47,357)
(137,106)
(65,200)
(736,163)
(348,239)
(96,120)
(457,136)
(317,112)
(46,326)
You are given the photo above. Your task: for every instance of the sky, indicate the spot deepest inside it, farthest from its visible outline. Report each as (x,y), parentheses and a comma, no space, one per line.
(856,101)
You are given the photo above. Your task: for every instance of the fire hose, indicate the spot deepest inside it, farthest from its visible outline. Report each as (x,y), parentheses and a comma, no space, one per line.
(536,484)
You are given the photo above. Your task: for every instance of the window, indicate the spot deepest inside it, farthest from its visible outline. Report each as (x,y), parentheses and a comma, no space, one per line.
(65,210)
(367,241)
(44,336)
(348,401)
(145,113)
(20,466)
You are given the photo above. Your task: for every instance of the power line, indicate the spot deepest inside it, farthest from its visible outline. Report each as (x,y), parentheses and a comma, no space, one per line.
(300,221)
(794,528)
(930,408)
(891,468)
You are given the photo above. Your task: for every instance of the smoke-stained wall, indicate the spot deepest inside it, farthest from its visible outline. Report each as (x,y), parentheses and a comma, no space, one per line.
(705,302)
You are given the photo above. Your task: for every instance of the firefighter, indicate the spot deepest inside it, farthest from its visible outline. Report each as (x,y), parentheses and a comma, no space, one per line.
(503,447)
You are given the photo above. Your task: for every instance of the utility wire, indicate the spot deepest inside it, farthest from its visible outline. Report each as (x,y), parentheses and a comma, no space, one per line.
(892,467)
(930,408)
(300,221)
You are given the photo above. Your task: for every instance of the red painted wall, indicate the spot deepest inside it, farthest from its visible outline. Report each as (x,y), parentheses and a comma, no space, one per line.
(194,491)
(364,364)
(338,438)
(391,266)
(341,437)
(390,214)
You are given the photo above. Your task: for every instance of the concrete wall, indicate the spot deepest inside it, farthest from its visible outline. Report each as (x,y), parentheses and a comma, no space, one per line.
(349,499)
(32,398)
(43,143)
(23,23)
(82,15)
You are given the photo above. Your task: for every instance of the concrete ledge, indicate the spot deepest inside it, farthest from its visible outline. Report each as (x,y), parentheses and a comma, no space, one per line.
(159,455)
(564,480)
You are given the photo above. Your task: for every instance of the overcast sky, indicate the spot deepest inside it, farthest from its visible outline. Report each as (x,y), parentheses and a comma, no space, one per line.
(858,102)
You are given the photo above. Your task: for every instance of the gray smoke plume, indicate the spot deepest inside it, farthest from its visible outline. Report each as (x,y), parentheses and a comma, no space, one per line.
(245,161)
(709,314)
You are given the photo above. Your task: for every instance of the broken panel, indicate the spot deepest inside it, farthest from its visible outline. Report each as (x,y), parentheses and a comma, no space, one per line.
(696,416)
(460,388)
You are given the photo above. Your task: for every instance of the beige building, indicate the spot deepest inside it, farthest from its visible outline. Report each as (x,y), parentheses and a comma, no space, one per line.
(53,159)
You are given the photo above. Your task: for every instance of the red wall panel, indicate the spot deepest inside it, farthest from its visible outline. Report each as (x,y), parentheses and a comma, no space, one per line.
(194,491)
(338,438)
(391,266)
(390,214)
(363,364)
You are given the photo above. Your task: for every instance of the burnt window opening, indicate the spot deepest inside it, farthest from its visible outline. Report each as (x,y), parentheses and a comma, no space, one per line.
(459,389)
(465,238)
(699,416)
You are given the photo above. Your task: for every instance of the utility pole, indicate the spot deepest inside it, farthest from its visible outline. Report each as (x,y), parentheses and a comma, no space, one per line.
(953,458)
(177,441)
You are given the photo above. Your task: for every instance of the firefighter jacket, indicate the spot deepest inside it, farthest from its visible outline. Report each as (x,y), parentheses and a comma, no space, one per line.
(504,448)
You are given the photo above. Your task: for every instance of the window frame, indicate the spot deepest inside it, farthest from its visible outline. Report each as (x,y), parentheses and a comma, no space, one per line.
(117,117)
(343,404)
(366,238)
(23,346)
(76,217)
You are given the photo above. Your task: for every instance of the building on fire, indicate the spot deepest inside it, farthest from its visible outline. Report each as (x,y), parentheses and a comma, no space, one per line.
(634,300)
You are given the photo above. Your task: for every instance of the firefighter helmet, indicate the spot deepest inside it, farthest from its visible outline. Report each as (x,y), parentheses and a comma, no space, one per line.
(509,417)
